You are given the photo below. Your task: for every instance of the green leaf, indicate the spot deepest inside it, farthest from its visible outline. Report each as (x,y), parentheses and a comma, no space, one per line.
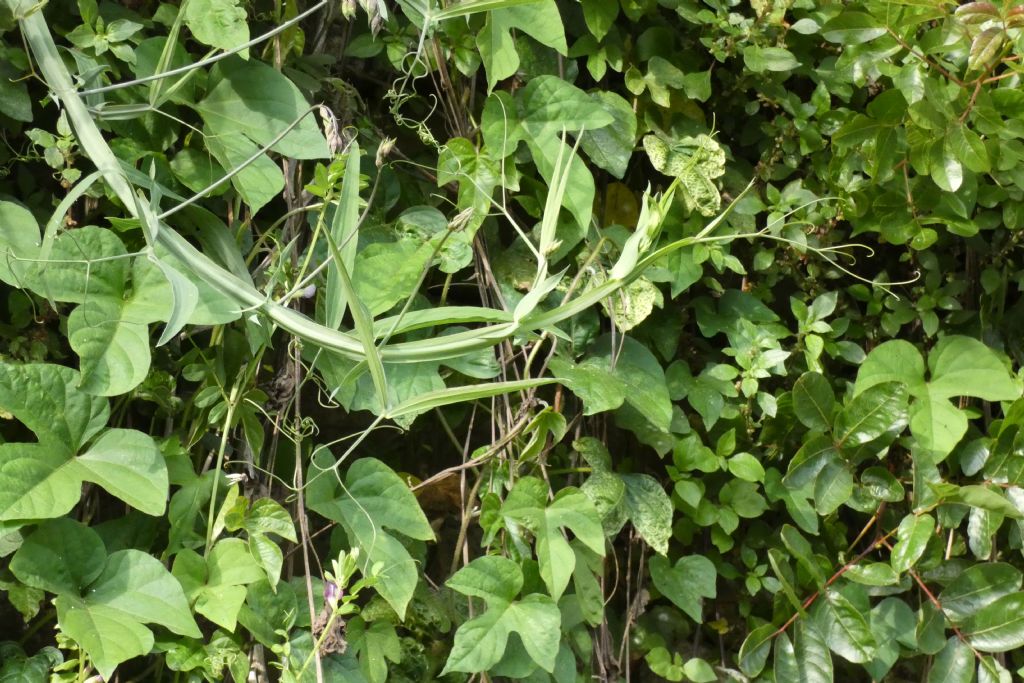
(812,655)
(963,366)
(19,238)
(813,401)
(611,146)
(759,59)
(946,169)
(801,550)
(980,496)
(746,467)
(114,348)
(641,374)
(257,183)
(123,591)
(911,539)
(848,632)
(977,587)
(540,20)
(61,556)
(254,99)
(217,23)
(129,465)
(571,509)
(878,410)
(999,626)
(687,583)
(852,28)
(45,398)
(595,386)
(954,664)
(649,509)
(93,267)
(965,145)
(755,649)
(372,500)
(480,642)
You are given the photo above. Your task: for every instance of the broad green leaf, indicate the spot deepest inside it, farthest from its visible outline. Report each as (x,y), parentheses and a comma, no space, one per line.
(87,264)
(103,633)
(217,23)
(813,401)
(852,28)
(129,465)
(60,556)
(786,667)
(746,467)
(267,516)
(873,574)
(595,386)
(946,169)
(387,272)
(892,623)
(480,642)
(114,348)
(979,496)
(848,632)
(999,626)
(571,509)
(686,583)
(881,484)
(966,146)
(955,664)
(977,587)
(892,361)
(937,424)
(911,539)
(373,500)
(832,487)
(259,181)
(121,592)
(611,146)
(254,99)
(962,366)
(880,409)
(759,59)
(812,654)
(755,649)
(809,461)
(540,20)
(19,238)
(649,509)
(991,671)
(642,375)
(45,398)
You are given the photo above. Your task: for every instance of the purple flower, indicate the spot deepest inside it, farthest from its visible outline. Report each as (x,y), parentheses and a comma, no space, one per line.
(332,593)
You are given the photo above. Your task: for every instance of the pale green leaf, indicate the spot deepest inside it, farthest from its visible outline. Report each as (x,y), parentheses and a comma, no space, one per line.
(686,583)
(254,99)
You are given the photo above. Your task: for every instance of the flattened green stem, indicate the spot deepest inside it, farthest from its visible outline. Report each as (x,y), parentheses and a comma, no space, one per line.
(53,70)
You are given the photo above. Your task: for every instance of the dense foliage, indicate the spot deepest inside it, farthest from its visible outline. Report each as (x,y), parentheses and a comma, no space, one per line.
(511,339)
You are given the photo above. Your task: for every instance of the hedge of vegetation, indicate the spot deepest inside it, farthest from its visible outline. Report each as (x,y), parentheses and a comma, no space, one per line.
(618,340)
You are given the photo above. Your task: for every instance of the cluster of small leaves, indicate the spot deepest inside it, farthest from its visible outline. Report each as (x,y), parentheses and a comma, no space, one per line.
(595,261)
